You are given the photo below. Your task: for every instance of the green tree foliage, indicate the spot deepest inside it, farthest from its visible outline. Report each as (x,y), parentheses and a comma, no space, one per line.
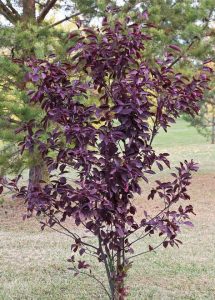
(205,121)
(189,25)
(27,29)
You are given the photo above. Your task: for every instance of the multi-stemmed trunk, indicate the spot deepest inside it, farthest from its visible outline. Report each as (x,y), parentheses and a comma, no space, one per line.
(115,270)
(116,285)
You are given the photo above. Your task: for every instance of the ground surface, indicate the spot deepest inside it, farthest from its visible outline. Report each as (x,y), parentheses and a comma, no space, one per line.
(33,264)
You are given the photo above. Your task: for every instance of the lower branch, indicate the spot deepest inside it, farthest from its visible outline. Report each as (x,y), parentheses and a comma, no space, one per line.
(144,252)
(95,278)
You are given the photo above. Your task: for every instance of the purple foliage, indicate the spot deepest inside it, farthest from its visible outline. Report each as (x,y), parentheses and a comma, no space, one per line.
(109,143)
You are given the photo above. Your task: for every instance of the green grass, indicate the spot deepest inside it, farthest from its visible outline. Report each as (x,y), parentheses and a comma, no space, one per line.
(33,264)
(184,142)
(180,134)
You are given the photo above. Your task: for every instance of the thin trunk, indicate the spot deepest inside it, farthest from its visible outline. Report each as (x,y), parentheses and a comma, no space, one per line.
(121,273)
(118,284)
(106,259)
(120,280)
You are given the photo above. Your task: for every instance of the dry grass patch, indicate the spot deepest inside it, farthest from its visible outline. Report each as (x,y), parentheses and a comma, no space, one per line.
(33,263)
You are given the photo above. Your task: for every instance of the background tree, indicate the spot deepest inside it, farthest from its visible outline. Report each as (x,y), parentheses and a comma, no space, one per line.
(110,159)
(187,24)
(27,31)
(205,121)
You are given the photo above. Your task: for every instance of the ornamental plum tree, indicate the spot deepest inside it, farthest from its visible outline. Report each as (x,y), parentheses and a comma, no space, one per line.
(109,144)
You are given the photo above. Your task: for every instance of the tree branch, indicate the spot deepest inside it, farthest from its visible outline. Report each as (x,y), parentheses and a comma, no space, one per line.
(41,5)
(107,267)
(93,277)
(7,13)
(147,251)
(14,11)
(154,129)
(71,16)
(64,20)
(184,52)
(74,235)
(49,5)
(193,40)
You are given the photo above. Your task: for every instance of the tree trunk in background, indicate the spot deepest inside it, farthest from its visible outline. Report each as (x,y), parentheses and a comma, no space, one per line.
(28,16)
(37,172)
(29,10)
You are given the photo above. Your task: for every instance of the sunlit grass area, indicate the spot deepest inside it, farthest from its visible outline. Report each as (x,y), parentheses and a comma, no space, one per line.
(180,133)
(183,142)
(33,264)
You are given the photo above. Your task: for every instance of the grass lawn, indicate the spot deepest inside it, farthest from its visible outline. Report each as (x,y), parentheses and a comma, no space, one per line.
(33,264)
(183,142)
